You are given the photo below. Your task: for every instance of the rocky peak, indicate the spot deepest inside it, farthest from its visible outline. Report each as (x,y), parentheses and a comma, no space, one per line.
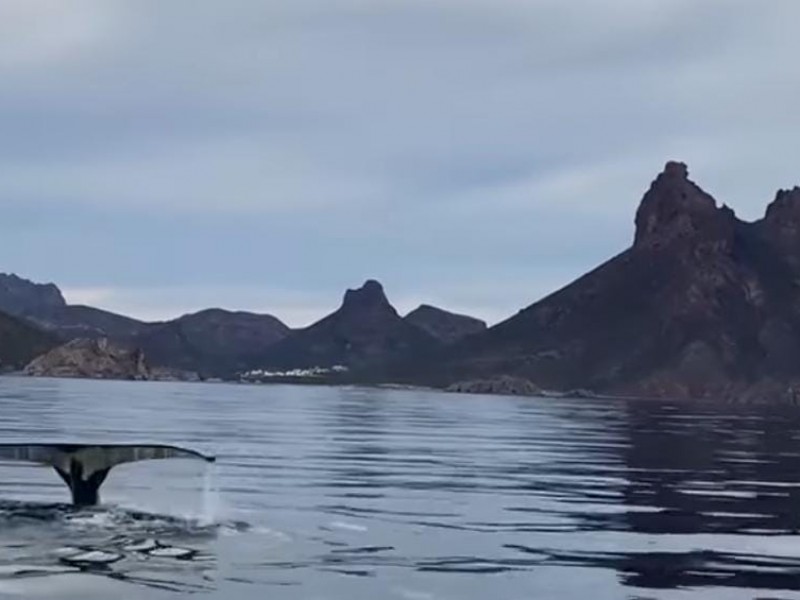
(785,207)
(21,297)
(370,296)
(675,209)
(781,224)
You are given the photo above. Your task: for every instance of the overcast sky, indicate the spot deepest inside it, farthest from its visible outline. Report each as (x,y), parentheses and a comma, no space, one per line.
(161,157)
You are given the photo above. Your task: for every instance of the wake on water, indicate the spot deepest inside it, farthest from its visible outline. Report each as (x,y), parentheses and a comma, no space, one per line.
(165,551)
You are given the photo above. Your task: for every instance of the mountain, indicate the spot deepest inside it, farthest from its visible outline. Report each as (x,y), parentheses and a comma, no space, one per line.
(78,321)
(212,342)
(445,326)
(702,304)
(20,342)
(44,305)
(20,297)
(365,330)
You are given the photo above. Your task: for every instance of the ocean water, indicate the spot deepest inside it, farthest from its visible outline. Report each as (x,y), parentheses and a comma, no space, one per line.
(347,493)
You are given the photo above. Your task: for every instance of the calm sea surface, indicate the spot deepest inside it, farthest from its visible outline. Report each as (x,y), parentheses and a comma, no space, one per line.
(355,494)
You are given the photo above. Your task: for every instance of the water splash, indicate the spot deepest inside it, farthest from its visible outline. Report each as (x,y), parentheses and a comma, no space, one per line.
(210,496)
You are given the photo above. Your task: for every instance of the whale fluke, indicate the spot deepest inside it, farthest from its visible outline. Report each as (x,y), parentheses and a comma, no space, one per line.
(84,467)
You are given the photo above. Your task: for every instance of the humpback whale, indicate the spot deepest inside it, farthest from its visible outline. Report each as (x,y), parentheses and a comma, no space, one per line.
(84,467)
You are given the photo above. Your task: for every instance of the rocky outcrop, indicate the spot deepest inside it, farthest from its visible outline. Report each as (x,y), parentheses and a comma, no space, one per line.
(365,330)
(781,224)
(503,385)
(212,342)
(91,358)
(445,326)
(702,305)
(168,374)
(675,213)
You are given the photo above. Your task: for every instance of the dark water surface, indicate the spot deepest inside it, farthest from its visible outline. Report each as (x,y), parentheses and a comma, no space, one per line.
(333,493)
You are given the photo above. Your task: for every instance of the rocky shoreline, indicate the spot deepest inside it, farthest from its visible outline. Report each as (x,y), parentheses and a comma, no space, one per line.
(100,358)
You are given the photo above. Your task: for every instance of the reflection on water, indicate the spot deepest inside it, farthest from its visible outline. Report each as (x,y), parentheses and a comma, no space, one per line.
(354,493)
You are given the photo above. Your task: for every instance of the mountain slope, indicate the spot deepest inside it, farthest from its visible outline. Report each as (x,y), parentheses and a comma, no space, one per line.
(365,330)
(445,326)
(78,321)
(44,305)
(212,342)
(702,304)
(21,298)
(20,342)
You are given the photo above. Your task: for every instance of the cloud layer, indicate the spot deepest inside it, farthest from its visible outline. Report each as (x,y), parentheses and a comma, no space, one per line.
(470,152)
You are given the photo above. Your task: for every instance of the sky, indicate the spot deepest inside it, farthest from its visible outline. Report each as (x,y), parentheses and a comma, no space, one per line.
(158,158)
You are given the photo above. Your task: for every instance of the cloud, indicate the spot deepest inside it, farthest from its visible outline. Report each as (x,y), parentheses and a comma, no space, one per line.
(439,146)
(40,35)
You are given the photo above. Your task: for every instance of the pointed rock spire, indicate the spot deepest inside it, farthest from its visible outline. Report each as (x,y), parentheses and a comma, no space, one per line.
(785,206)
(369,295)
(782,220)
(676,209)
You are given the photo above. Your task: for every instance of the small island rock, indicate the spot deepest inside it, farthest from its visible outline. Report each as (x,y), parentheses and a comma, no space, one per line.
(91,358)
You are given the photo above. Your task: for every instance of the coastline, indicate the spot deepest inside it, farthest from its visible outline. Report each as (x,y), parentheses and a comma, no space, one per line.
(542,395)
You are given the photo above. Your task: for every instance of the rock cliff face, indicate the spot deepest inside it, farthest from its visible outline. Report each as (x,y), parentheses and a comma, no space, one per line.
(702,305)
(445,326)
(91,358)
(365,330)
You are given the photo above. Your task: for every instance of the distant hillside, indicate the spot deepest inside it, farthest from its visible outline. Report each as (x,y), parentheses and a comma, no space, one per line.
(20,342)
(702,304)
(212,342)
(445,326)
(77,321)
(365,330)
(44,305)
(22,298)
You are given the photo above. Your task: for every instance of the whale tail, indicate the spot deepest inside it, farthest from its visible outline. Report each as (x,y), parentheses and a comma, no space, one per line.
(84,467)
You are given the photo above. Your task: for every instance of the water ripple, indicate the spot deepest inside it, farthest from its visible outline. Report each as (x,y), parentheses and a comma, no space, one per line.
(362,493)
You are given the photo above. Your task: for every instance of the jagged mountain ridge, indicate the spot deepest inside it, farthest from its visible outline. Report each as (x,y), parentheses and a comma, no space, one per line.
(366,330)
(702,304)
